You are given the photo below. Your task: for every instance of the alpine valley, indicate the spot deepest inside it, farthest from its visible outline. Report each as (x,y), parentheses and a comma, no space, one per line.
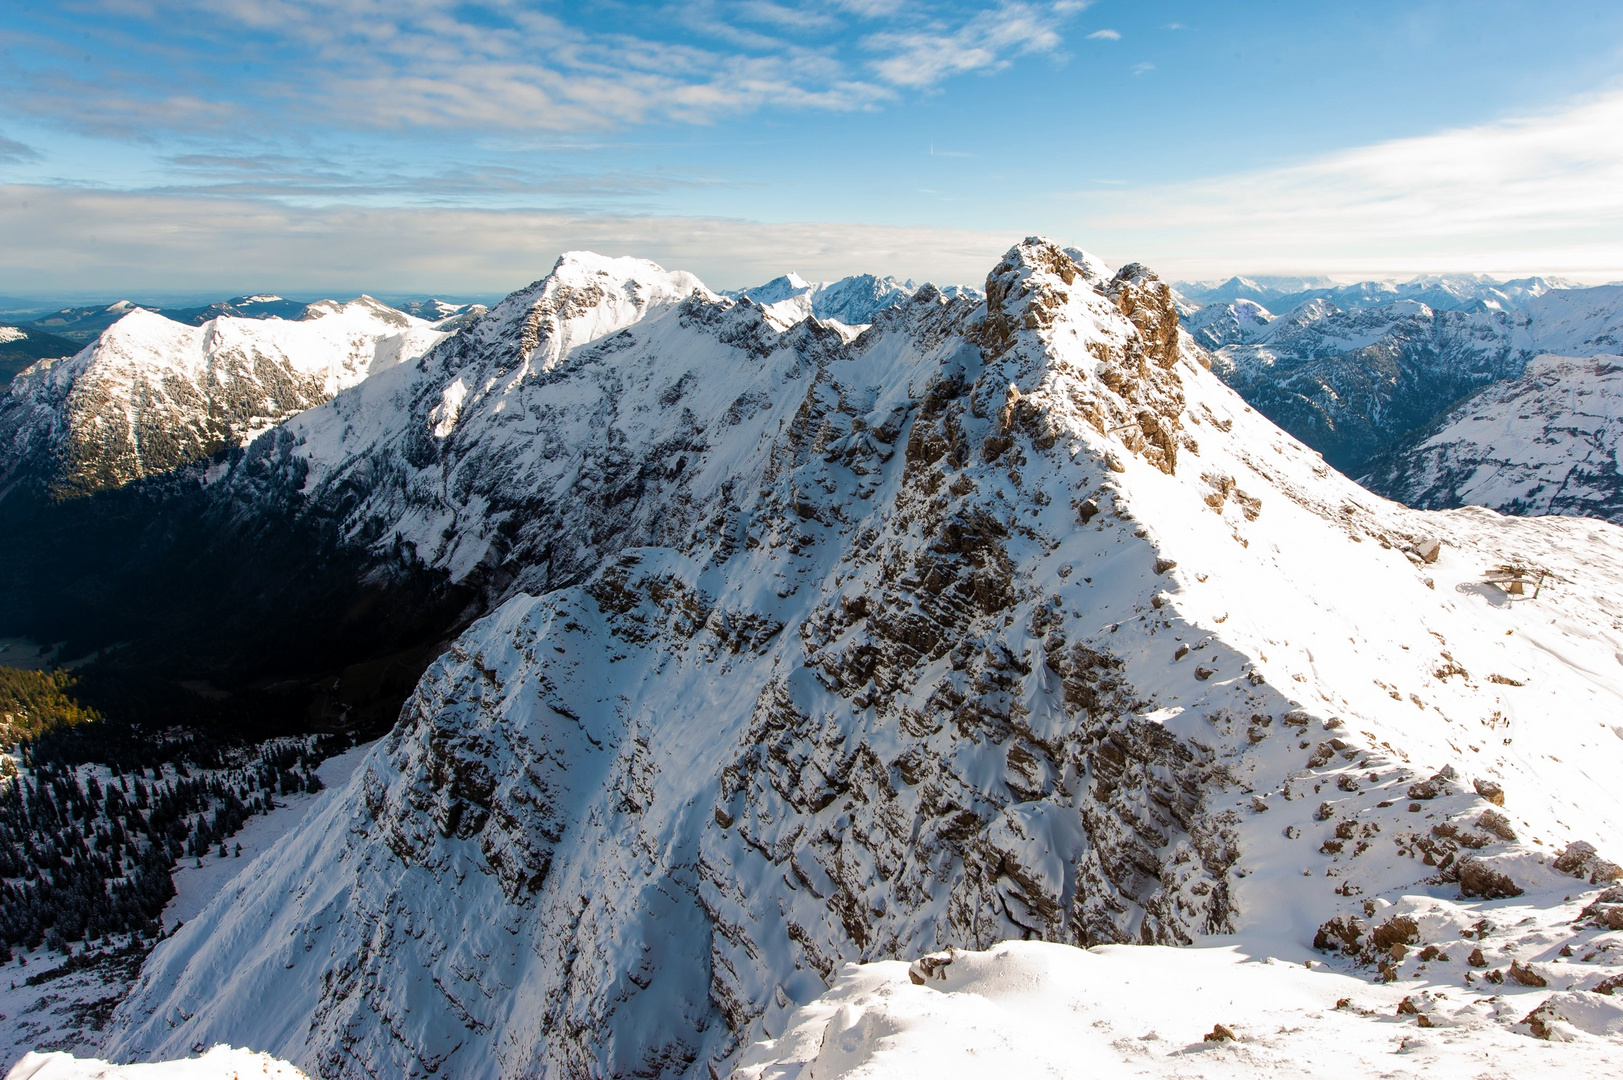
(854,679)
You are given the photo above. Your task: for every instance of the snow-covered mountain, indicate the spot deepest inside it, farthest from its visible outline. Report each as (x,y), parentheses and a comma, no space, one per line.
(1001,619)
(1257,290)
(1546,443)
(444,314)
(151,394)
(1232,323)
(258,306)
(853,301)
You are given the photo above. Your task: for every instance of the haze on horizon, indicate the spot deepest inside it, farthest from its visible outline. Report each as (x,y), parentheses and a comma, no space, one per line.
(304,146)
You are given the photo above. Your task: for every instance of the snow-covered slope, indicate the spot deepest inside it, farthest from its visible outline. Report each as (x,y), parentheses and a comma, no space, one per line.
(1030,1009)
(1216,325)
(1002,620)
(152,394)
(219,1063)
(1546,443)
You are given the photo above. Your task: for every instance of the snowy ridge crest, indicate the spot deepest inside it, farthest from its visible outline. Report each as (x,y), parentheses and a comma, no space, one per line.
(585,297)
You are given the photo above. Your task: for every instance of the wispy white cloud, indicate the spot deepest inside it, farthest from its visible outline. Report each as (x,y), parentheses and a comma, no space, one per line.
(920,58)
(507,65)
(1105,35)
(83,241)
(1537,192)
(1141,68)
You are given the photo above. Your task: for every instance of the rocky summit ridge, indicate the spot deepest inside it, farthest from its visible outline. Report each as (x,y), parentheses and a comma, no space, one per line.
(1003,618)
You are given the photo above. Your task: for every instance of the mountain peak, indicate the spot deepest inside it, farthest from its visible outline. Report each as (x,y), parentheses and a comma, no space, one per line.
(585,297)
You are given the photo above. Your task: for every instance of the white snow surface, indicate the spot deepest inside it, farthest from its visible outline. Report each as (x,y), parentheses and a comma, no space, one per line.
(220,1063)
(1002,620)
(196,886)
(150,393)
(1033,1009)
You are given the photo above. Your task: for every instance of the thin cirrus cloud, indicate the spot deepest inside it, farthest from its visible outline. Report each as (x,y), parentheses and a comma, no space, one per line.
(1529,193)
(505,65)
(988,41)
(1105,35)
(13,151)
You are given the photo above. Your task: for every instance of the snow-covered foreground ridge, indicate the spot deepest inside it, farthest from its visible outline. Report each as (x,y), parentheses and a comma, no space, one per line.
(1005,619)
(220,1063)
(151,394)
(1036,1009)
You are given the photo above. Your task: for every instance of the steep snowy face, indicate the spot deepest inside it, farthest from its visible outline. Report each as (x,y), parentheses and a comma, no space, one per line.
(1546,443)
(1000,620)
(152,394)
(1574,322)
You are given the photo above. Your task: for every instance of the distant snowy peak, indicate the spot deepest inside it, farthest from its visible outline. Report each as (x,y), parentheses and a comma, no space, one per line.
(775,291)
(444,314)
(361,308)
(585,297)
(1216,325)
(152,394)
(260,306)
(853,300)
(1443,292)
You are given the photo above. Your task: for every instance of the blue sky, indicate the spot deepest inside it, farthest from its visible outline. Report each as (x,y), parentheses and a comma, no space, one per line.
(406,145)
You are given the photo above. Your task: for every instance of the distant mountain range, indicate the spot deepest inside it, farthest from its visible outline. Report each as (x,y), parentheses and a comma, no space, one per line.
(853,301)
(1363,372)
(1445,292)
